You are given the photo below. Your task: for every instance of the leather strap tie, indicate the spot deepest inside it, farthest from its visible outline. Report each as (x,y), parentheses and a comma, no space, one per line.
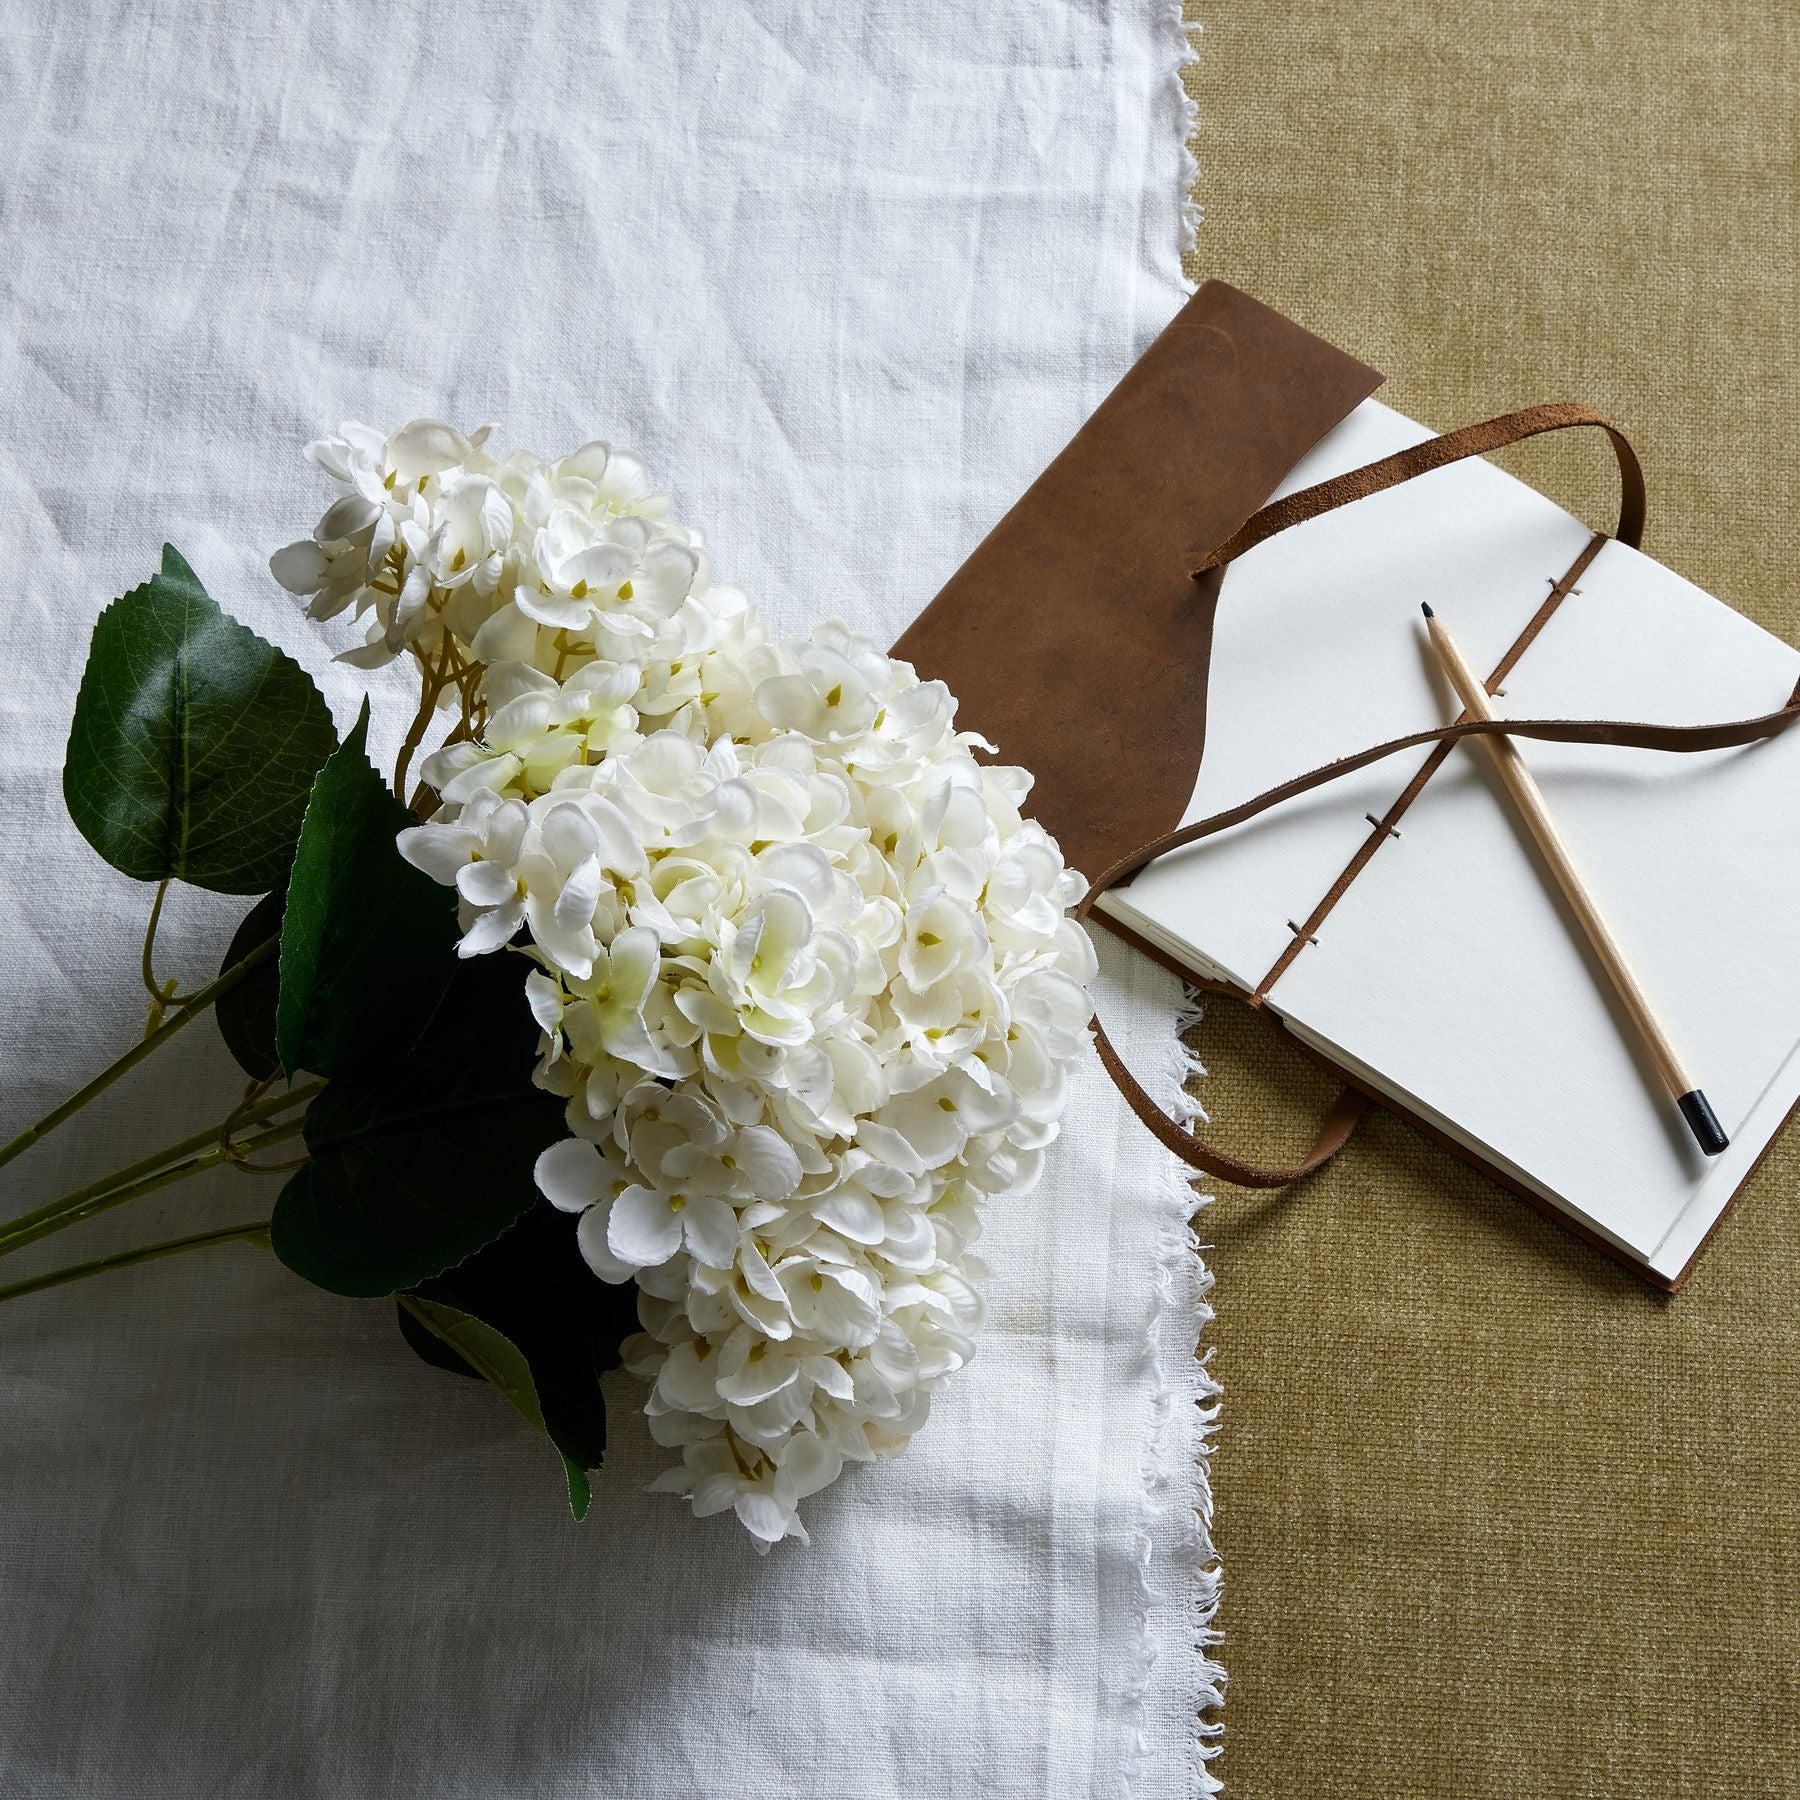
(1435,453)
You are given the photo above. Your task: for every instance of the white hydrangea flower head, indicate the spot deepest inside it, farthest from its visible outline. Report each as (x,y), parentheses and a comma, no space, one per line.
(804,971)
(465,559)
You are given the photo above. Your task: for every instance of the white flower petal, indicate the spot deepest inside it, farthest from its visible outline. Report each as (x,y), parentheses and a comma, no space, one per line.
(591,1235)
(486,883)
(571,1175)
(764,1517)
(344,518)
(558,611)
(507,635)
(853,1213)
(442,851)
(643,1230)
(568,835)
(545,999)
(492,929)
(633,960)
(373,655)
(809,1464)
(426,447)
(711,1230)
(581,893)
(768,1162)
(300,568)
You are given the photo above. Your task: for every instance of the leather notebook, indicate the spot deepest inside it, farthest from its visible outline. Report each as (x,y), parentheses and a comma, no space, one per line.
(1200,629)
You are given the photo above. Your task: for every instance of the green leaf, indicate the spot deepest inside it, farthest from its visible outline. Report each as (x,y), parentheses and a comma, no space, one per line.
(367,941)
(246,1012)
(493,1356)
(425,1344)
(581,1492)
(419,1161)
(532,1285)
(194,742)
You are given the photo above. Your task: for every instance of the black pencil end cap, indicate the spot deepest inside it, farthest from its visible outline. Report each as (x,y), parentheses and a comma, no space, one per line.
(1703,1122)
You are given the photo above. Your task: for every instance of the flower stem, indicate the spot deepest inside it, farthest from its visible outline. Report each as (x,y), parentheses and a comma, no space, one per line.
(190,1009)
(84,1205)
(250,1232)
(204,1150)
(431,684)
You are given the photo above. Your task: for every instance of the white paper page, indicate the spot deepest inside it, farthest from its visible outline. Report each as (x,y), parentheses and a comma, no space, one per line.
(1454,969)
(1313,658)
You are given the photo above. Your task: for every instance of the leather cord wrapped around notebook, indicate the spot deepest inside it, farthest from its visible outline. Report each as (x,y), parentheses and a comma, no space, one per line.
(1079,637)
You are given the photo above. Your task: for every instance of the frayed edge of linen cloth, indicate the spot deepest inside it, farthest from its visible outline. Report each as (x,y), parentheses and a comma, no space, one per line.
(1175,1536)
(1179,1581)
(1180,35)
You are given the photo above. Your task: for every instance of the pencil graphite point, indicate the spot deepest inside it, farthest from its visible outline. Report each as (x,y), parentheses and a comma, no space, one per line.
(1425,608)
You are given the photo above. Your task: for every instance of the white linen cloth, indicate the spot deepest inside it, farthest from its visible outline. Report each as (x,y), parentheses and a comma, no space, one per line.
(847,277)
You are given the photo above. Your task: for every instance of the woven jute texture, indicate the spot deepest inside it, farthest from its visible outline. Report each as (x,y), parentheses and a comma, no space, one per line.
(1497,1518)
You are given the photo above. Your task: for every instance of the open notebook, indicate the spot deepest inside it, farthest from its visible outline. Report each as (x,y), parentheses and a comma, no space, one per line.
(1449,977)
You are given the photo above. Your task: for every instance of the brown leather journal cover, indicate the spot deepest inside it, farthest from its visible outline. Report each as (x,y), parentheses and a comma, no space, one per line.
(1074,637)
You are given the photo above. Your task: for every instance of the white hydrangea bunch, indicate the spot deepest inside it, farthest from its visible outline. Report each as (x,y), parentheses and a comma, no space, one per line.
(803,970)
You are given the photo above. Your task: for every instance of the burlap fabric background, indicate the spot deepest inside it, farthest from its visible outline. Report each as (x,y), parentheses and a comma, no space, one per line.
(1497,1519)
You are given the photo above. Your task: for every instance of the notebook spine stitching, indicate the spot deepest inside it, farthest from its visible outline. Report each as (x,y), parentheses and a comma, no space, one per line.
(1387,826)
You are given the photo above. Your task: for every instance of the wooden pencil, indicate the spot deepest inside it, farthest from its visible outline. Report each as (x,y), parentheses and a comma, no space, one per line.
(1526,795)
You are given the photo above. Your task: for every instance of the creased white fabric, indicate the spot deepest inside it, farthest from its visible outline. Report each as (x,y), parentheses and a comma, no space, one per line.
(847,277)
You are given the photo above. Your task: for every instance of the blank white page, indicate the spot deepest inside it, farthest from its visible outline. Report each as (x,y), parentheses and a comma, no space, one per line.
(1313,658)
(1453,970)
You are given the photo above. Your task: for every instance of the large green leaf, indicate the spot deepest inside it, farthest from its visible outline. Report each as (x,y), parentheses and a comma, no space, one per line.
(246,1013)
(494,1357)
(532,1286)
(419,1161)
(367,940)
(194,743)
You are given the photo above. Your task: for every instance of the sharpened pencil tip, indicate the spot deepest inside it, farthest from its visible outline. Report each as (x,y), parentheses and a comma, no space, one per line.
(1425,608)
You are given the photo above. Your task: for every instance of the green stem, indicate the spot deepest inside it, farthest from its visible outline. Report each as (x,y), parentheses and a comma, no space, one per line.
(145,1177)
(123,1259)
(191,1009)
(162,993)
(146,960)
(170,1153)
